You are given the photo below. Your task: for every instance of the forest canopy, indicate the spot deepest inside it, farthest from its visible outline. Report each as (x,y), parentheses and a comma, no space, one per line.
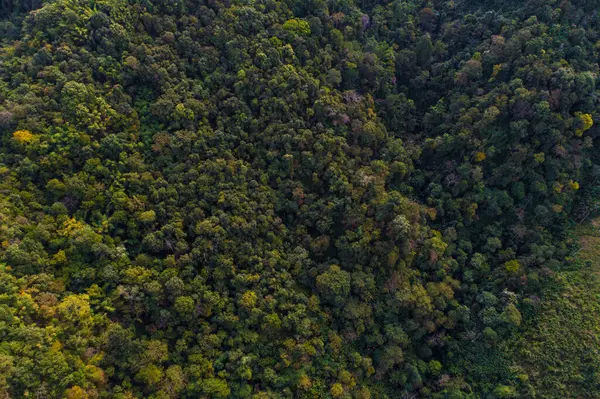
(294,198)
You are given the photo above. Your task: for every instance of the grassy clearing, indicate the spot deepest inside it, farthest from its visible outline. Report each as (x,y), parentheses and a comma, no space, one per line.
(589,241)
(558,352)
(557,355)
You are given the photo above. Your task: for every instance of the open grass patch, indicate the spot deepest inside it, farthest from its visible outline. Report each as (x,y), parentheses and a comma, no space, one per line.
(557,354)
(588,236)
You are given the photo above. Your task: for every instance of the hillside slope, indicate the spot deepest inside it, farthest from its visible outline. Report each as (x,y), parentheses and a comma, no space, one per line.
(296,199)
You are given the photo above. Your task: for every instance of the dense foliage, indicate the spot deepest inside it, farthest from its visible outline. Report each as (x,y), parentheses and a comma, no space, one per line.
(290,198)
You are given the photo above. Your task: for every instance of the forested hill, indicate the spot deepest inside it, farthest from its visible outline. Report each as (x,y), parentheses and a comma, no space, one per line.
(292,199)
